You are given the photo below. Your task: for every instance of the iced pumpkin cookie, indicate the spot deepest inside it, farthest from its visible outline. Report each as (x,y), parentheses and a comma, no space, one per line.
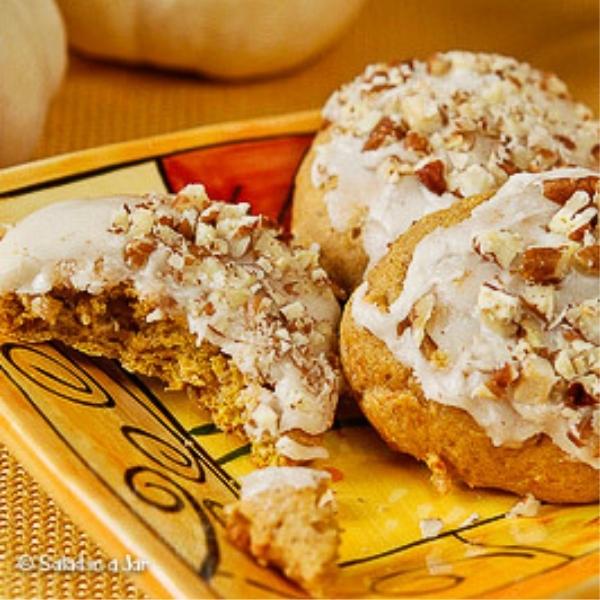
(404,140)
(200,294)
(474,343)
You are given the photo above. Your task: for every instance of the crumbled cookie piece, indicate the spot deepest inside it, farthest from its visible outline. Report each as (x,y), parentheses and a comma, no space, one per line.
(286,518)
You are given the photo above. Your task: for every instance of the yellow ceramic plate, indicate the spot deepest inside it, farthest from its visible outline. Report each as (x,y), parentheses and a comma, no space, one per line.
(147,475)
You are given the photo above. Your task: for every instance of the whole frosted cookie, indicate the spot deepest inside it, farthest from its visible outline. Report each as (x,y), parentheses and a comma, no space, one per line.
(201,294)
(474,343)
(404,140)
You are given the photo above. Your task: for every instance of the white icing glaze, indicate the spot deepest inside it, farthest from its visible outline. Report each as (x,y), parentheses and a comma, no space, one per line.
(78,230)
(274,478)
(481,115)
(283,345)
(292,449)
(446,265)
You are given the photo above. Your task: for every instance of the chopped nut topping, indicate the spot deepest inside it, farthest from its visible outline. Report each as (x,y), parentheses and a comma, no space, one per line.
(438,65)
(499,310)
(578,396)
(561,189)
(500,380)
(540,298)
(585,317)
(120,222)
(564,366)
(142,221)
(432,176)
(137,252)
(575,214)
(500,246)
(535,381)
(473,180)
(417,142)
(587,260)
(293,311)
(509,118)
(545,265)
(420,315)
(384,128)
(532,330)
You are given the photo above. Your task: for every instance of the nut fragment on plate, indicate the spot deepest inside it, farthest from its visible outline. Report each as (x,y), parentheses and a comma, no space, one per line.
(527,507)
(285,517)
(201,294)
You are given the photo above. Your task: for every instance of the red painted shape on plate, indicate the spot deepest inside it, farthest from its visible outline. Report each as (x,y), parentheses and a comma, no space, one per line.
(258,172)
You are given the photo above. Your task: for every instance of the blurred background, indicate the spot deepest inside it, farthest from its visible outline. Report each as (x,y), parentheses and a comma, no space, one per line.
(102,102)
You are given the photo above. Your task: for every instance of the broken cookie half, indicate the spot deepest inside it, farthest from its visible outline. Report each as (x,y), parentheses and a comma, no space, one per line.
(201,294)
(286,517)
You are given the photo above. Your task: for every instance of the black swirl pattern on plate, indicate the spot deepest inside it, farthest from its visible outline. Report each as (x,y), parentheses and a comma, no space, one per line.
(70,383)
(173,453)
(164,493)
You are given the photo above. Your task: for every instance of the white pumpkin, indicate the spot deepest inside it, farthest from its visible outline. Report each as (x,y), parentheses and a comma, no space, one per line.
(229,39)
(33,57)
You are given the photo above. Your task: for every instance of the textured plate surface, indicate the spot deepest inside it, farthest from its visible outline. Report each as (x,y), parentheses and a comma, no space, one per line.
(146,473)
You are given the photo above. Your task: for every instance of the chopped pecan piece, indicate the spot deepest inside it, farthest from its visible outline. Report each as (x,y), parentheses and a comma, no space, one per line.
(564,366)
(544,265)
(587,260)
(501,379)
(540,300)
(142,221)
(585,317)
(574,217)
(508,166)
(535,381)
(432,176)
(137,252)
(384,128)
(560,190)
(565,141)
(438,65)
(577,396)
(420,315)
(499,246)
(186,229)
(530,329)
(499,310)
(417,142)
(401,326)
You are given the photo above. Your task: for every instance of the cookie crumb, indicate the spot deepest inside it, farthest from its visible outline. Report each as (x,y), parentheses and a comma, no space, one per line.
(286,518)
